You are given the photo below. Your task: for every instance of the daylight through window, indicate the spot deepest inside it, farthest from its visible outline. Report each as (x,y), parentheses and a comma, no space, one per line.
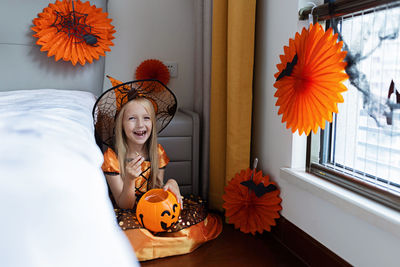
(361,147)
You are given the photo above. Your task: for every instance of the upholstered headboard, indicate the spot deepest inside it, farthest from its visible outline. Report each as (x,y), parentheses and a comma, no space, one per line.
(24,66)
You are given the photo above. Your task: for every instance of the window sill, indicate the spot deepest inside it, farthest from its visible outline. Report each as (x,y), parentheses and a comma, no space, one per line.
(368,210)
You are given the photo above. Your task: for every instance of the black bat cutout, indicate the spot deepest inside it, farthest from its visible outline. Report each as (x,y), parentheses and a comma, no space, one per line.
(289,68)
(259,189)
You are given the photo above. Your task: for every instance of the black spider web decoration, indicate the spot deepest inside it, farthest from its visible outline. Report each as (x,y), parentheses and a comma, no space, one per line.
(105,110)
(74,24)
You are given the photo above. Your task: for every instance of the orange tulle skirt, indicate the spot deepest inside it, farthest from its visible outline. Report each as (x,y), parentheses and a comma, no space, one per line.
(148,246)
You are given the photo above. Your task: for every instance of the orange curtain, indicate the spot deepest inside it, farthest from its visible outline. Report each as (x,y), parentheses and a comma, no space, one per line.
(231,92)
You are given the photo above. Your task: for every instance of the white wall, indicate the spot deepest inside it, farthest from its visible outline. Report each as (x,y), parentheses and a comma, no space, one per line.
(154,29)
(347,224)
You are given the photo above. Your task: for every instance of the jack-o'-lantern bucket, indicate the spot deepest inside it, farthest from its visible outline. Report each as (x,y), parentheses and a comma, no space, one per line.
(157,210)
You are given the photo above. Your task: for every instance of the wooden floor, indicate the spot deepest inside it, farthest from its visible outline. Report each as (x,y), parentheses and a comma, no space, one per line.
(234,248)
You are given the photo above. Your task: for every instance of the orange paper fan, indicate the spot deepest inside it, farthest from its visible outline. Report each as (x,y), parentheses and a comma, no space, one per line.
(248,209)
(309,80)
(152,69)
(73,31)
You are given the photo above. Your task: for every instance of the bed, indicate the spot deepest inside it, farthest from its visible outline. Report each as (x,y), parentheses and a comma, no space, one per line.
(54,203)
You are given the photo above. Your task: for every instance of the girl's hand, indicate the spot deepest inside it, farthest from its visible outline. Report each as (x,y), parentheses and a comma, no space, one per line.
(133,168)
(173,187)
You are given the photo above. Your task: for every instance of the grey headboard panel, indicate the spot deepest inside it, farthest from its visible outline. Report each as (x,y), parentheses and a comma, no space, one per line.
(24,66)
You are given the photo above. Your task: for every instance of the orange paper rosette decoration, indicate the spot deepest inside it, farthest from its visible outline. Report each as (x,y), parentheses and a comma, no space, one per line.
(247,210)
(309,80)
(152,69)
(73,31)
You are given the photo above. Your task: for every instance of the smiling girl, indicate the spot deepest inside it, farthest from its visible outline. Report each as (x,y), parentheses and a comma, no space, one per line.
(127,120)
(138,150)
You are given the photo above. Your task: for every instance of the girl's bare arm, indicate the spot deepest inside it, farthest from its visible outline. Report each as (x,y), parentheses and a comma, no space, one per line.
(123,190)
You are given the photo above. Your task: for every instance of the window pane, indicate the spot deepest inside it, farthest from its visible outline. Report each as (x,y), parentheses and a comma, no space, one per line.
(365,135)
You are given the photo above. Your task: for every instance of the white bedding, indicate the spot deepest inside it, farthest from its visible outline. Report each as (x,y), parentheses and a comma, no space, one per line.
(54,206)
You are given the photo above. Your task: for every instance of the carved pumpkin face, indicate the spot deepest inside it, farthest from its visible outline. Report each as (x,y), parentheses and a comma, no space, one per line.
(157,210)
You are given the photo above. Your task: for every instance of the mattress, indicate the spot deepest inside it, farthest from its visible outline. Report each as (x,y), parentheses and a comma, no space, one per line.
(54,205)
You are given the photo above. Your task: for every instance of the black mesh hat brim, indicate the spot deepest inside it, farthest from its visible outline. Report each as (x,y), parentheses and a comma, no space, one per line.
(107,106)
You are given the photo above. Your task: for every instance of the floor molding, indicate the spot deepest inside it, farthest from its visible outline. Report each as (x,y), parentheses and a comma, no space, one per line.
(304,246)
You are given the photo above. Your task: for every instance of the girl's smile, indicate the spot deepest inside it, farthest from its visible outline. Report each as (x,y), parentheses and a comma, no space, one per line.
(140,133)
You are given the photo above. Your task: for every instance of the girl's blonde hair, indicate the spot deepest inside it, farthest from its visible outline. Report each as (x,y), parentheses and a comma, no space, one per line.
(121,144)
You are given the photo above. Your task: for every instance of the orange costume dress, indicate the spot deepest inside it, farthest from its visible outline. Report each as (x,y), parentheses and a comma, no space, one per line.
(194,227)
